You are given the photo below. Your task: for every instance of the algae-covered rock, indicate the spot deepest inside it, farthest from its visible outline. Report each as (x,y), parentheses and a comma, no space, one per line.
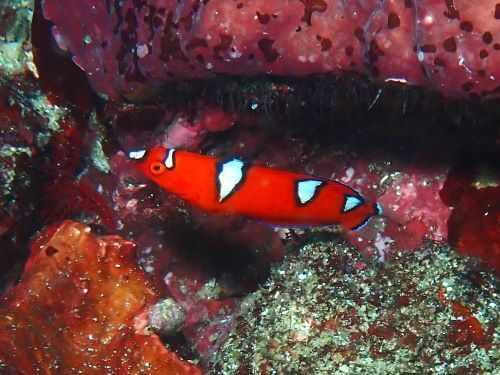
(328,311)
(16,55)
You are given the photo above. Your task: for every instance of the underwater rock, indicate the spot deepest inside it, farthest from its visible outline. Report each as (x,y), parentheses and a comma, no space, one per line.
(473,223)
(16,56)
(130,48)
(17,149)
(74,169)
(413,209)
(77,308)
(327,310)
(166,316)
(27,122)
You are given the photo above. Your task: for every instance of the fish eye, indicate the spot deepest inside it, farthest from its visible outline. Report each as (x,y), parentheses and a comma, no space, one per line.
(157,168)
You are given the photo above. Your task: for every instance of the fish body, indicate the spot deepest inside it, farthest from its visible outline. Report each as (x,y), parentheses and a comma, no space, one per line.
(268,195)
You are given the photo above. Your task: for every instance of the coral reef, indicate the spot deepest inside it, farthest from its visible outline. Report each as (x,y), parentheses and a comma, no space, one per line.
(92,327)
(202,76)
(326,310)
(132,46)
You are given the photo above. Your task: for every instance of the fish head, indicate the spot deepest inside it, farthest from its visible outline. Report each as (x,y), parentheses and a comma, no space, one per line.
(155,163)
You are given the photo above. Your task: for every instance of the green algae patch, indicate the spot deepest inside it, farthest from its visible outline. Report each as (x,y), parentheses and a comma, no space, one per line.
(328,311)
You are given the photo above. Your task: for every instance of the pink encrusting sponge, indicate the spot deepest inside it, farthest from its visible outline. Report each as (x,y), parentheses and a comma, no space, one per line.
(126,47)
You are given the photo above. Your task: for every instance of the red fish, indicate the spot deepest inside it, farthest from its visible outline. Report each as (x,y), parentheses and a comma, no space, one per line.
(265,194)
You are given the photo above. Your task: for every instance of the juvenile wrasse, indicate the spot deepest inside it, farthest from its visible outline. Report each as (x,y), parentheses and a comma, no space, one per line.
(269,195)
